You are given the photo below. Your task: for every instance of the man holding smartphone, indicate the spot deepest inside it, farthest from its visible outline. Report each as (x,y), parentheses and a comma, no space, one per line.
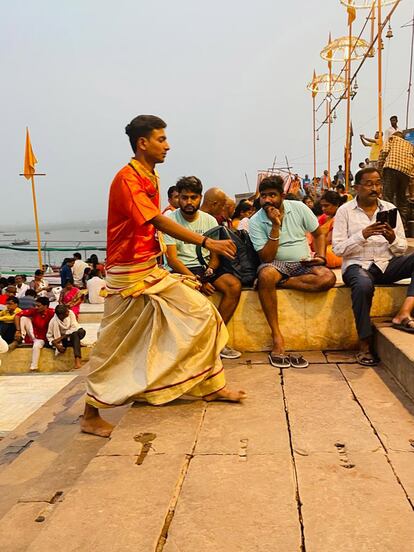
(373,253)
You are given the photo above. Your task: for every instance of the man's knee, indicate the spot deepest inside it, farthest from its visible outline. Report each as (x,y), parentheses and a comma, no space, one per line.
(327,279)
(229,285)
(268,277)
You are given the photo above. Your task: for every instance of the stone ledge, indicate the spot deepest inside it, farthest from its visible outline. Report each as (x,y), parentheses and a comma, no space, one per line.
(308,321)
(18,361)
(396,350)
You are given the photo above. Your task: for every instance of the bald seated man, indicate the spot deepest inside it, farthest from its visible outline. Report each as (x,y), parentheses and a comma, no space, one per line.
(229,207)
(214,201)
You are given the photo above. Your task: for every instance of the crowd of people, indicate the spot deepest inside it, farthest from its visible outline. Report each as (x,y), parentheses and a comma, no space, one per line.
(160,336)
(26,315)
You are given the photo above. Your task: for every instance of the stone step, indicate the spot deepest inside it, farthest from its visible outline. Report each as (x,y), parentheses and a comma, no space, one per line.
(18,361)
(396,350)
(256,476)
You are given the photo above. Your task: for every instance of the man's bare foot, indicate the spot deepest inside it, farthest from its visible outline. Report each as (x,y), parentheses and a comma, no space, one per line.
(96,426)
(78,363)
(226,395)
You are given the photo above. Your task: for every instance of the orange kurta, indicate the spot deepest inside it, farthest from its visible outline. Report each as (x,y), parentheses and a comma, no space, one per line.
(133,202)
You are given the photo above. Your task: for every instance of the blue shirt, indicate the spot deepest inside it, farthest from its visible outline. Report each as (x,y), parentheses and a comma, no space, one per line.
(65,275)
(297,221)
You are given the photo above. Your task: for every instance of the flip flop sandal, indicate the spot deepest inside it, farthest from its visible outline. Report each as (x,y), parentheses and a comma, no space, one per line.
(366,359)
(404,325)
(279,360)
(297,361)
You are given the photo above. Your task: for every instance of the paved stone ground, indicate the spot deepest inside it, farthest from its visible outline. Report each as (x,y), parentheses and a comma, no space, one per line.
(315,460)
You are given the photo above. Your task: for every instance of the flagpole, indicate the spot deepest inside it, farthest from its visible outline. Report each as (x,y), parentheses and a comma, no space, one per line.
(379,74)
(314,140)
(39,249)
(348,109)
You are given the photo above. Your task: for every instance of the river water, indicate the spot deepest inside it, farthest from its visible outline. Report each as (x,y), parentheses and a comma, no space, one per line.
(25,262)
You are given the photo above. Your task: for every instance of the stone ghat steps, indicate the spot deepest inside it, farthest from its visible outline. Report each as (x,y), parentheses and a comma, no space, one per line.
(18,361)
(396,350)
(311,461)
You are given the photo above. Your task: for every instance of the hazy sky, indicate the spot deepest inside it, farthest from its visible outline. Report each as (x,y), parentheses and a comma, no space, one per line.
(229,77)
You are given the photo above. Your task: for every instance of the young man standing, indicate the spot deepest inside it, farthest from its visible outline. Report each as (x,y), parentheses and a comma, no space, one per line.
(182,257)
(372,254)
(159,338)
(278,232)
(391,129)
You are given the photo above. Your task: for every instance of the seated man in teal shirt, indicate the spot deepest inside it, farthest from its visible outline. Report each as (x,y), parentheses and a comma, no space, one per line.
(278,232)
(182,257)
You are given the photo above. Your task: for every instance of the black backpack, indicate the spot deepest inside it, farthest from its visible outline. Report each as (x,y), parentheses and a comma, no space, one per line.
(246,262)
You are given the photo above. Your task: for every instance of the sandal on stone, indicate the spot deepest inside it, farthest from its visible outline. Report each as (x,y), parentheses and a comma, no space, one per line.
(297,361)
(406,325)
(366,359)
(279,360)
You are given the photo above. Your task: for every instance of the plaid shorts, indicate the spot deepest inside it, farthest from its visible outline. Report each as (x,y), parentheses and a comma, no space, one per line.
(288,269)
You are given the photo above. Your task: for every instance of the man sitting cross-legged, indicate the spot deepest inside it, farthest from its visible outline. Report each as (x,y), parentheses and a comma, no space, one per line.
(278,232)
(372,254)
(64,331)
(182,257)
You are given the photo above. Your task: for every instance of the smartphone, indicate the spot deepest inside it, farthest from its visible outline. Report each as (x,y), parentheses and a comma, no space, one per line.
(388,216)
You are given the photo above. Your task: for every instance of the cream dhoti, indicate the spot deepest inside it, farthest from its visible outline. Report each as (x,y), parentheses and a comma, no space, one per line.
(159,339)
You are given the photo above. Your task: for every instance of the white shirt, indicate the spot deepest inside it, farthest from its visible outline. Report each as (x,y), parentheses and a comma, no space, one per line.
(349,243)
(77,270)
(94,286)
(389,132)
(21,291)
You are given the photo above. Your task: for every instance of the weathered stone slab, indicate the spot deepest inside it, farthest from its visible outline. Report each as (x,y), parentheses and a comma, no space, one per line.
(174,426)
(361,509)
(234,506)
(341,356)
(18,527)
(259,422)
(116,505)
(389,409)
(403,464)
(322,412)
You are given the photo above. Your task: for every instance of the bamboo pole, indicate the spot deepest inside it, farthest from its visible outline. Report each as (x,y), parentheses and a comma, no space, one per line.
(348,110)
(379,72)
(314,139)
(329,127)
(39,249)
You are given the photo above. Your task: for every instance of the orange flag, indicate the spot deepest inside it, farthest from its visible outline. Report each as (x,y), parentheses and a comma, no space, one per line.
(29,158)
(329,54)
(314,85)
(351,14)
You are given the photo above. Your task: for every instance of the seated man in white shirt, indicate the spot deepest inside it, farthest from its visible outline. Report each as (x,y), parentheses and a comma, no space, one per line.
(373,253)
(94,284)
(78,269)
(182,257)
(64,331)
(21,287)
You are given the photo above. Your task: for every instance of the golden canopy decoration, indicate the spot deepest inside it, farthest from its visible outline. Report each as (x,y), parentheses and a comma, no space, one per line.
(365,4)
(326,84)
(338,49)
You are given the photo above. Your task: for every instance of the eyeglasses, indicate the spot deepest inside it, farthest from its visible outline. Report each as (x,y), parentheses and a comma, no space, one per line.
(372,183)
